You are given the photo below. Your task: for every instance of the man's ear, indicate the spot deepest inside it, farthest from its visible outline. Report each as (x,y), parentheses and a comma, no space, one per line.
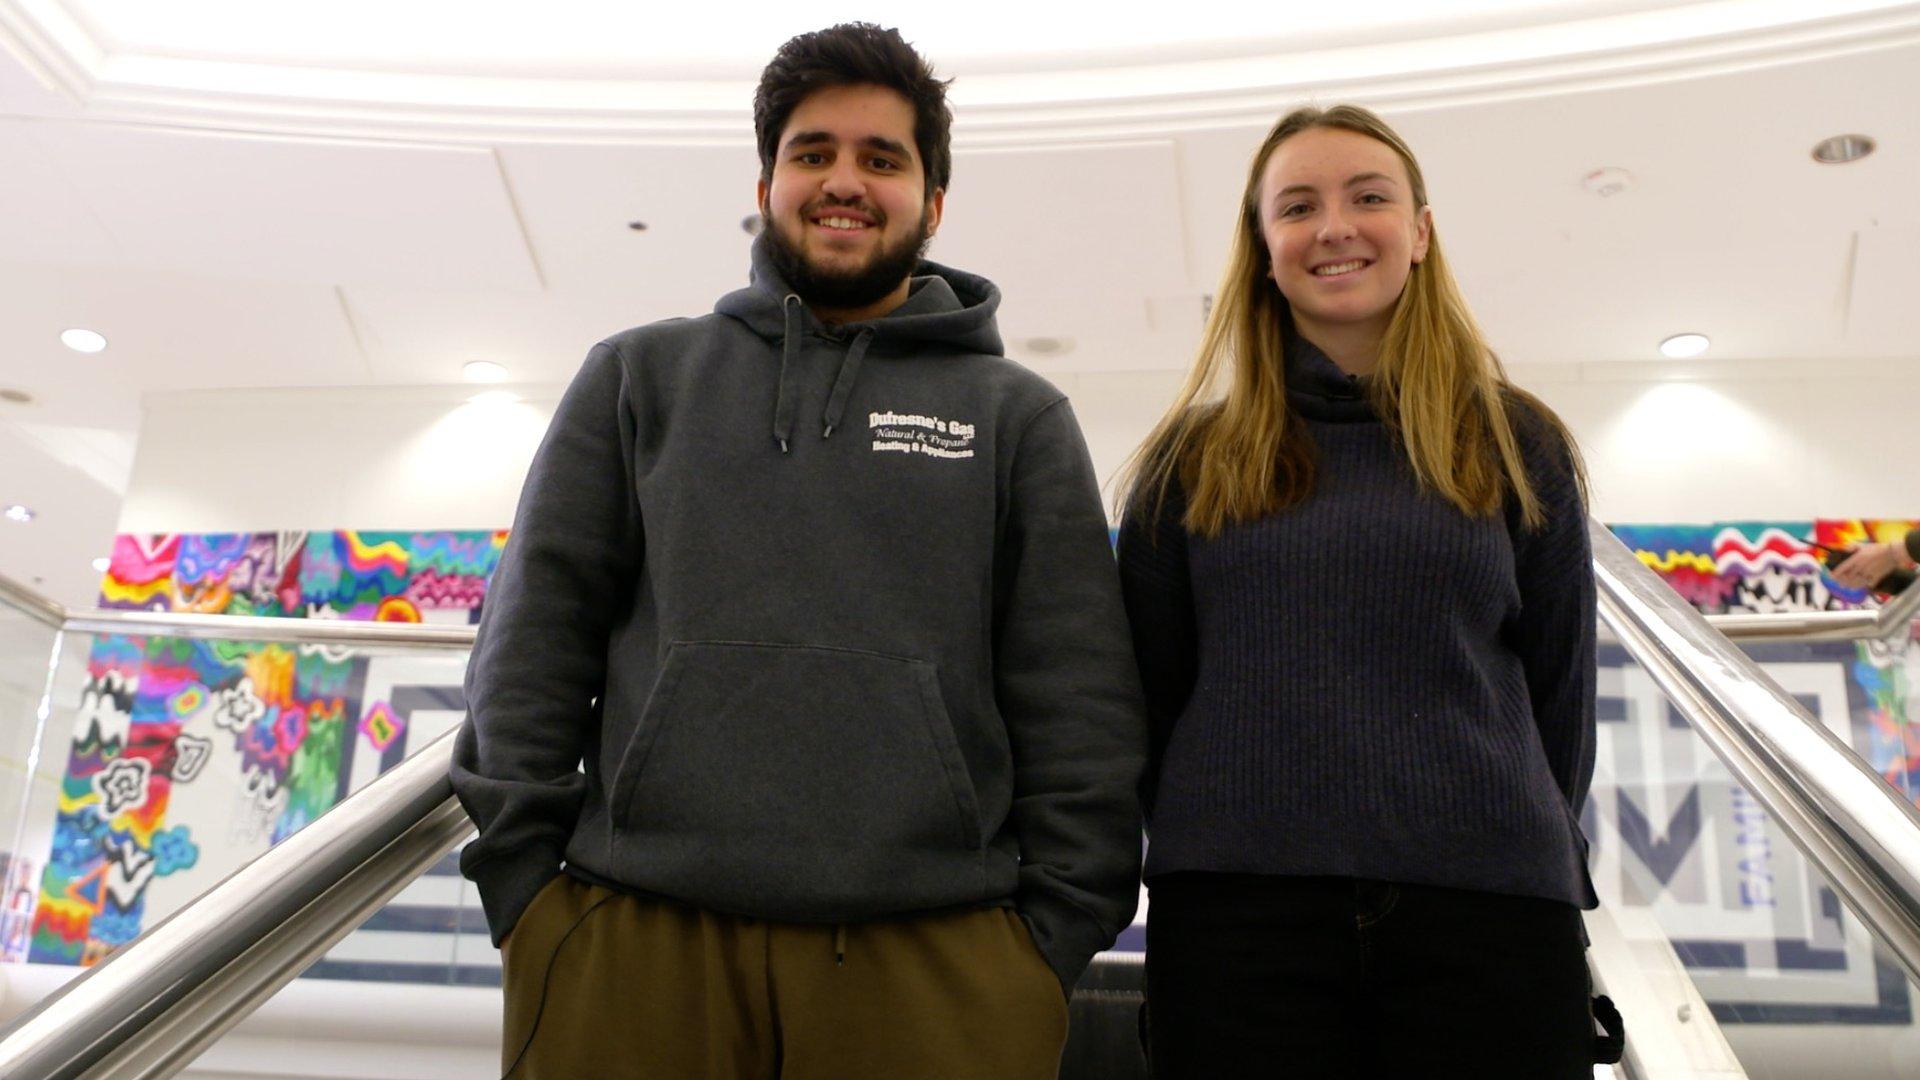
(936,205)
(760,194)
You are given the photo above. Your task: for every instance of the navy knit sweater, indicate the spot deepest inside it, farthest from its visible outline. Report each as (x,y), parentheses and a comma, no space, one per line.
(1370,683)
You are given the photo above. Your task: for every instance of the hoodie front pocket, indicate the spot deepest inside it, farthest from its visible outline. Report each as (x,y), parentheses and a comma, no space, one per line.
(789,750)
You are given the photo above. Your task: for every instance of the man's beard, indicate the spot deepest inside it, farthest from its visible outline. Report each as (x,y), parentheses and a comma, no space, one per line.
(842,289)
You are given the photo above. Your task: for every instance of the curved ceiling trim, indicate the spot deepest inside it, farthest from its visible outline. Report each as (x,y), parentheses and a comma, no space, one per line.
(1075,104)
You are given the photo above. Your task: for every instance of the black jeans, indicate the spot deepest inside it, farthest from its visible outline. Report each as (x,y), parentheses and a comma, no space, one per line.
(1259,976)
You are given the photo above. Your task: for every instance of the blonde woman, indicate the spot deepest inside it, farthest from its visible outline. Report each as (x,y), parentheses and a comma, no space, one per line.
(1356,565)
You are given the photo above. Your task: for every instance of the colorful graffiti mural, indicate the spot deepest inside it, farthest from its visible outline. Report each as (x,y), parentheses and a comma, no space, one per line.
(1775,566)
(1756,566)
(197,755)
(391,576)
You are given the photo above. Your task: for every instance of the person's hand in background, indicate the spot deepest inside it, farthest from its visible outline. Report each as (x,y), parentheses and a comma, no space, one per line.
(1871,562)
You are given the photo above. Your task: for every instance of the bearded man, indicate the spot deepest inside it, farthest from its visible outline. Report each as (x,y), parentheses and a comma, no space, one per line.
(805,734)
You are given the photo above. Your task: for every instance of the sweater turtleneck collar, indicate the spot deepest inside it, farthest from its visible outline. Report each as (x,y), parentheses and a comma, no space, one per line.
(1319,390)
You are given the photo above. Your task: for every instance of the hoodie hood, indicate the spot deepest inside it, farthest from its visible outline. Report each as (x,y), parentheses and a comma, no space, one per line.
(947,307)
(944,307)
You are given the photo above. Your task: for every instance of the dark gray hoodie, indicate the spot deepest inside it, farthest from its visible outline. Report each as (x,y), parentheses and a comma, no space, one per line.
(829,615)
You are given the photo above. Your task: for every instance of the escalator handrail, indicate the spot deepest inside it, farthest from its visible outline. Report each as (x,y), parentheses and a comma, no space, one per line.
(1890,620)
(1854,826)
(41,609)
(1862,833)
(337,632)
(165,967)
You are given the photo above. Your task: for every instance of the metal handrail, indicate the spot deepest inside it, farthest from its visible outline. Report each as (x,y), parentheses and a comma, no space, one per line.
(337,632)
(152,1007)
(43,609)
(1891,620)
(1861,833)
(342,632)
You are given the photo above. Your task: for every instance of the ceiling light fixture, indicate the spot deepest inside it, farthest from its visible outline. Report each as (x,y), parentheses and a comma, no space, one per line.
(1843,148)
(637,226)
(484,371)
(19,513)
(15,397)
(1049,346)
(1684,346)
(86,341)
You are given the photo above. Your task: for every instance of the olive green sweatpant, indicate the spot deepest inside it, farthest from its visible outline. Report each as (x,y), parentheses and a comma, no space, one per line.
(603,984)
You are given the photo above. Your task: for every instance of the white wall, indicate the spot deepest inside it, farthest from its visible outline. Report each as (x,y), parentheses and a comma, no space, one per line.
(362,458)
(1671,442)
(1667,442)
(54,554)
(1742,440)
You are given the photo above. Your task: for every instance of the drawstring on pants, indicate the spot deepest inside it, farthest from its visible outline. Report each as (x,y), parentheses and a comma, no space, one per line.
(839,944)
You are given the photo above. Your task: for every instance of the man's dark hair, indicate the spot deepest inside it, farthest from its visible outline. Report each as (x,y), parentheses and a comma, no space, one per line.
(854,54)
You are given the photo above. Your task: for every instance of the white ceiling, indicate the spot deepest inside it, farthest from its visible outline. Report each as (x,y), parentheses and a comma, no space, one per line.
(369,194)
(613,40)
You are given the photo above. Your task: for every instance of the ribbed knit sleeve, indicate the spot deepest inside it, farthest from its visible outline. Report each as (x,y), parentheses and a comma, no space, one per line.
(1158,590)
(1553,633)
(539,658)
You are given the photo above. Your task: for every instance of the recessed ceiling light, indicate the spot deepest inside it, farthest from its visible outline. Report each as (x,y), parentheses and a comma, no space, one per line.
(1842,148)
(1049,346)
(1684,346)
(1607,183)
(637,226)
(100,565)
(752,224)
(484,371)
(15,397)
(19,513)
(86,341)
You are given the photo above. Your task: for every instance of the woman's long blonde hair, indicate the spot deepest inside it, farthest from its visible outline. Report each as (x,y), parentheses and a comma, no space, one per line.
(1438,385)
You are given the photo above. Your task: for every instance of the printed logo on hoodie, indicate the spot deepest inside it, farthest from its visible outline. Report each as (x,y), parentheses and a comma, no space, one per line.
(912,433)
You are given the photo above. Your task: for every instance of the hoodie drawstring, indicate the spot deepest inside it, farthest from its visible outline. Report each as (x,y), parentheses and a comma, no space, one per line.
(783,403)
(843,383)
(787,399)
(839,944)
